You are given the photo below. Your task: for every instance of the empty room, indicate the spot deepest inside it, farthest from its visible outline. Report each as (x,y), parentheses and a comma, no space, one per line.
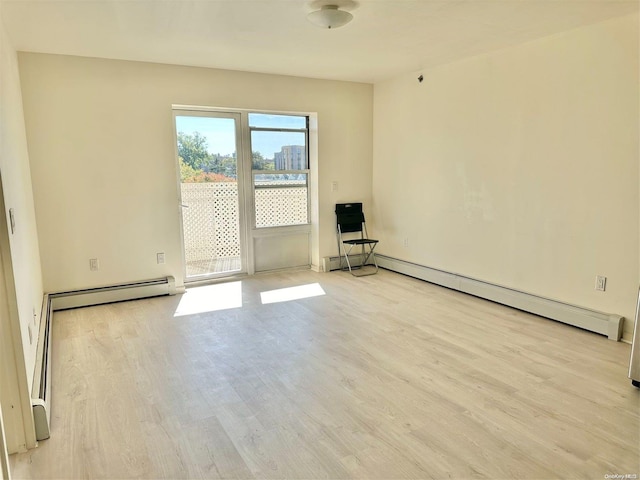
(192,192)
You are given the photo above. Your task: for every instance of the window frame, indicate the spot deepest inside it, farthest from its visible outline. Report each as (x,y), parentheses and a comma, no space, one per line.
(306,171)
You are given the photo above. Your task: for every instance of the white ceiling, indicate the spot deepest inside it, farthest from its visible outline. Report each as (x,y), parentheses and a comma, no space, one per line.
(386,37)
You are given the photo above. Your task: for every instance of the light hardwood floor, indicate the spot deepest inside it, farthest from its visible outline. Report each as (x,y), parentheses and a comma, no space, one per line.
(382,377)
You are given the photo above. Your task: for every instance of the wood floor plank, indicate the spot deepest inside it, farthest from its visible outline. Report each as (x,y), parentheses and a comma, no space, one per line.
(381,377)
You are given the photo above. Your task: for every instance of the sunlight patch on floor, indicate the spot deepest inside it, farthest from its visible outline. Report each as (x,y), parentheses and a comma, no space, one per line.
(292,293)
(210,298)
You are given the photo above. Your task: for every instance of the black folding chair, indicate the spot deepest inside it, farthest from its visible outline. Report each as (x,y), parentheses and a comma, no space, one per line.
(350,220)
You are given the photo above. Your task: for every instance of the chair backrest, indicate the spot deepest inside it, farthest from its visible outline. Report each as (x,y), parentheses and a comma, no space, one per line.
(349,217)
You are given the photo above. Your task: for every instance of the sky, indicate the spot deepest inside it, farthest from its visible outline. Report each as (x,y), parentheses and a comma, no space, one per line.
(220,132)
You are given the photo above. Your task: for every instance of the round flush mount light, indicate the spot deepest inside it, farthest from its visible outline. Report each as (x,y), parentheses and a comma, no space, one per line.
(330,16)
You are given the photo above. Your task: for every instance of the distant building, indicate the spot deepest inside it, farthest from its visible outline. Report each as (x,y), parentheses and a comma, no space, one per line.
(291,157)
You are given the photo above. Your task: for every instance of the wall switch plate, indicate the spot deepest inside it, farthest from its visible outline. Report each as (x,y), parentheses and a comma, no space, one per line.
(12,221)
(334,186)
(160,258)
(601,283)
(94,266)
(405,242)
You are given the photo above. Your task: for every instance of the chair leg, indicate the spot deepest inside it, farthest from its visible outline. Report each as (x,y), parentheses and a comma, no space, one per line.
(371,255)
(346,257)
(365,258)
(342,251)
(340,246)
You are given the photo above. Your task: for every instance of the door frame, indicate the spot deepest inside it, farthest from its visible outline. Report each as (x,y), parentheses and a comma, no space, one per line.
(250,233)
(18,423)
(246,256)
(5,473)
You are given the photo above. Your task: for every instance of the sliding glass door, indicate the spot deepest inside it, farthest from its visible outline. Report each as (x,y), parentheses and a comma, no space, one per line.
(244,191)
(211,193)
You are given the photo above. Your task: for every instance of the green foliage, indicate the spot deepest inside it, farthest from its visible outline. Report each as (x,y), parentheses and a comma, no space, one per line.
(192,149)
(188,174)
(195,159)
(261,163)
(186,171)
(224,165)
(207,177)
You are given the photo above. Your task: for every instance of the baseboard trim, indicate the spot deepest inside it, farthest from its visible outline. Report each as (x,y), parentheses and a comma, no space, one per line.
(114,293)
(609,325)
(330,264)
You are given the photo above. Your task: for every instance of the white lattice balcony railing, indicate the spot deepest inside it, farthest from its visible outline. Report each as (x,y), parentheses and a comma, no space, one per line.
(280,206)
(211,223)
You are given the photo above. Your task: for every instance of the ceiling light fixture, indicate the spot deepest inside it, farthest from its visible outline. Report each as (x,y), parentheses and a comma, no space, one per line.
(330,16)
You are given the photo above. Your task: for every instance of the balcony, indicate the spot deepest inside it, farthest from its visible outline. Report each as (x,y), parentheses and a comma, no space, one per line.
(211,222)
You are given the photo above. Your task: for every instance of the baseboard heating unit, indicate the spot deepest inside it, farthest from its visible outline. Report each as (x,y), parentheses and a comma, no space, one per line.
(606,324)
(113,293)
(41,388)
(40,400)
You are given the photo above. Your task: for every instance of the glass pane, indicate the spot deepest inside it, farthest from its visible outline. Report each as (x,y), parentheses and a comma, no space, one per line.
(207,149)
(281,199)
(209,193)
(278,150)
(264,120)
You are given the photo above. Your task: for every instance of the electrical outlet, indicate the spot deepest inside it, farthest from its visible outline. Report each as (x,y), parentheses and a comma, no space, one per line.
(601,283)
(94,266)
(334,186)
(160,258)
(405,243)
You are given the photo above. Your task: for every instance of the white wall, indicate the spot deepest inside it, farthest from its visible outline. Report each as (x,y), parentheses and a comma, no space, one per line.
(101,144)
(16,178)
(519,167)
(23,292)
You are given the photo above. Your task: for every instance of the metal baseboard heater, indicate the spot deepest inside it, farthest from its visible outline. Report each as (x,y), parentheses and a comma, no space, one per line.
(41,388)
(606,324)
(40,399)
